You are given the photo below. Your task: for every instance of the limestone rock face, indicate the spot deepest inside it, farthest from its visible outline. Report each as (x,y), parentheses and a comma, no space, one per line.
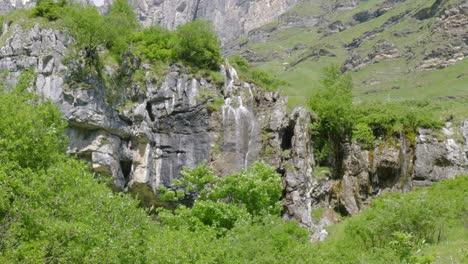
(166,122)
(441,159)
(387,167)
(298,169)
(231,18)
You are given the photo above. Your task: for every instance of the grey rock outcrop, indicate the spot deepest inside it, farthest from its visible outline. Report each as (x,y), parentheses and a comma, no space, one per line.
(231,18)
(298,169)
(166,122)
(441,159)
(386,167)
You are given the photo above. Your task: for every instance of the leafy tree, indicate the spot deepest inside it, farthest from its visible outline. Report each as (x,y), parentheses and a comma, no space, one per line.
(89,29)
(155,44)
(198,45)
(333,103)
(197,180)
(49,9)
(222,202)
(258,189)
(121,23)
(32,137)
(363,134)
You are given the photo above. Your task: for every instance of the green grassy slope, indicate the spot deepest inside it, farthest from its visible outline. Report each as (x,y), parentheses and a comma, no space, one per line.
(435,219)
(413,38)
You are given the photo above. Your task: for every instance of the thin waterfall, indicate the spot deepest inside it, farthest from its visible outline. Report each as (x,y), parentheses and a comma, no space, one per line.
(404,163)
(238,125)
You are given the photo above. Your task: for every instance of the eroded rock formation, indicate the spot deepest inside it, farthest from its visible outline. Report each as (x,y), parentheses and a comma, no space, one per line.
(166,122)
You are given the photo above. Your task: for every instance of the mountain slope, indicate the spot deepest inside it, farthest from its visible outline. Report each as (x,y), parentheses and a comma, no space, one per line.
(394,50)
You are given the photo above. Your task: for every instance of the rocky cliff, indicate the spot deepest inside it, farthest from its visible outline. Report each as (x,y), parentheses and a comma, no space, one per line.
(165,122)
(231,18)
(398,164)
(158,125)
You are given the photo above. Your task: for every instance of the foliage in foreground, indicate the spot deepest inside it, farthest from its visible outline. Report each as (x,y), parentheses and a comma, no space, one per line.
(224,202)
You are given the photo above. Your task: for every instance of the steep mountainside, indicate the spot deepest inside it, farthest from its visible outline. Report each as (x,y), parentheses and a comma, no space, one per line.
(394,49)
(231,18)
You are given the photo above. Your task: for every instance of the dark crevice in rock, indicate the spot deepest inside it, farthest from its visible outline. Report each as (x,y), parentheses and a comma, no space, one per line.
(149,108)
(126,169)
(286,141)
(388,177)
(341,209)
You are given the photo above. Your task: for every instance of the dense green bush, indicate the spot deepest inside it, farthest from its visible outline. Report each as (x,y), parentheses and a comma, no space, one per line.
(198,45)
(333,103)
(222,202)
(194,43)
(363,134)
(155,44)
(257,189)
(388,118)
(92,30)
(341,121)
(121,23)
(49,9)
(89,29)
(32,137)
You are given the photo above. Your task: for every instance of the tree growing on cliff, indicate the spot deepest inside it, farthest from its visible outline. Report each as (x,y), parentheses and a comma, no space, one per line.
(333,104)
(198,45)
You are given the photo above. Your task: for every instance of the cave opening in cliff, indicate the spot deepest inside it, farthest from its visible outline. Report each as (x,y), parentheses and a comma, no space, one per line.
(286,140)
(126,166)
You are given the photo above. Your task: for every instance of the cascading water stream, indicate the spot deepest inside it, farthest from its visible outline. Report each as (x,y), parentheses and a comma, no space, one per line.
(404,163)
(238,125)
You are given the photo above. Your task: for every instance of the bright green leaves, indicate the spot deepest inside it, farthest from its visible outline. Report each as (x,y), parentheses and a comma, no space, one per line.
(155,44)
(333,103)
(194,43)
(224,201)
(258,189)
(197,180)
(120,23)
(198,45)
(31,132)
(49,9)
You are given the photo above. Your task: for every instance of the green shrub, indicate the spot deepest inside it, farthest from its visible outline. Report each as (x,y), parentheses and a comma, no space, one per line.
(198,45)
(333,103)
(88,28)
(121,22)
(363,134)
(32,137)
(92,30)
(389,118)
(155,44)
(258,189)
(49,9)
